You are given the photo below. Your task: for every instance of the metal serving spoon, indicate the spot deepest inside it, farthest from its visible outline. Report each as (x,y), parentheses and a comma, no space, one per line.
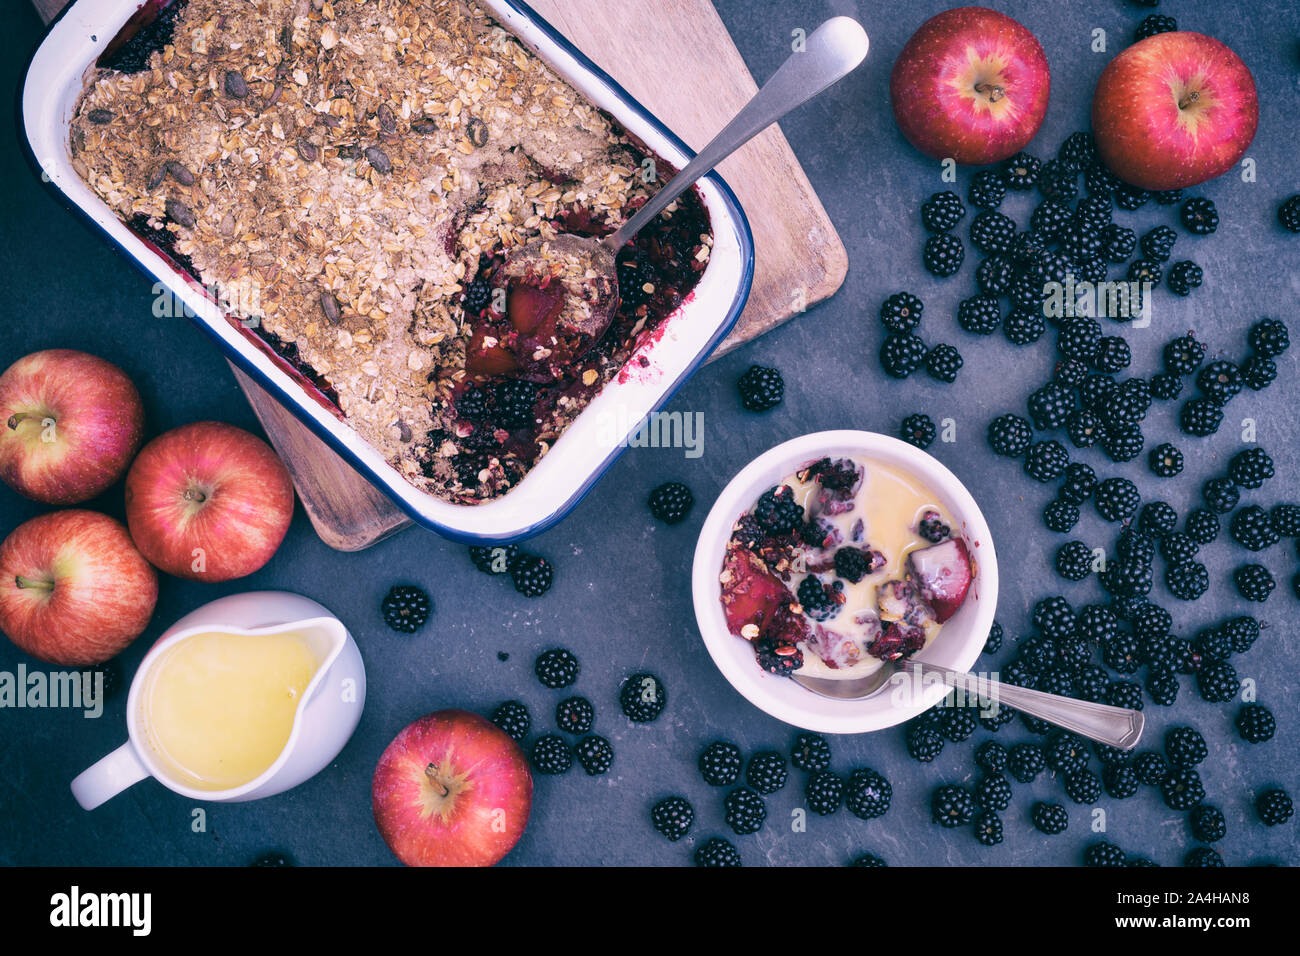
(1116,726)
(832,51)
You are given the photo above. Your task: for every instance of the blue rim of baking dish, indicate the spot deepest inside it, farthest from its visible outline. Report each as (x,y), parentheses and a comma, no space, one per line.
(744,236)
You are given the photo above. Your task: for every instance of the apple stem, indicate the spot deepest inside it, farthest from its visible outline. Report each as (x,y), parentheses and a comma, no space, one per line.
(431,771)
(23,582)
(17,419)
(1188,100)
(193,494)
(993,91)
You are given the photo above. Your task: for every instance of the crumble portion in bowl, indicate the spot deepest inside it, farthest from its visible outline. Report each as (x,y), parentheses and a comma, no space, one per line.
(841,566)
(349,176)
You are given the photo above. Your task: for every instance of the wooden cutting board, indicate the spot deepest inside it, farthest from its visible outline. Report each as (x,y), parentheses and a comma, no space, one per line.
(677,58)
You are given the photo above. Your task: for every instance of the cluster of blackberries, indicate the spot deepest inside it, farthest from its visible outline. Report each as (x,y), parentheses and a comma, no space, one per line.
(1219,381)
(903,351)
(531,575)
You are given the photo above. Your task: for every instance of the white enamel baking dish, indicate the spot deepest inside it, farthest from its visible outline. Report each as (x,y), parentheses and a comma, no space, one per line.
(659,366)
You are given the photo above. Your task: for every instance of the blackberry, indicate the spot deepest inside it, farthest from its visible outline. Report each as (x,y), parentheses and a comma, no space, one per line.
(1116,499)
(532,576)
(477,296)
(1200,417)
(1251,528)
(671,502)
(1092,269)
(1145,270)
(1123,442)
(1219,381)
(744,811)
(992,232)
(1078,151)
(810,752)
(1112,355)
(1024,326)
(1250,468)
(924,744)
(1255,724)
(1129,197)
(1220,495)
(1079,338)
(1274,807)
(777,512)
(958,723)
(1202,526)
(1051,405)
(942,211)
(943,362)
(1080,480)
(1185,747)
(1185,660)
(1150,768)
(1120,780)
(1162,687)
(1158,243)
(991,756)
(1127,402)
(1104,854)
(595,754)
(1054,617)
(1050,217)
(1074,561)
(1066,752)
(987,189)
(1184,355)
(980,314)
(493,559)
(1084,428)
(1165,386)
(1025,761)
(820,601)
(1124,694)
(1258,373)
(901,354)
(852,564)
(720,764)
(1100,181)
(1020,172)
(716,852)
(575,715)
(1187,581)
(995,718)
(995,274)
(761,389)
(1157,519)
(766,772)
(1254,582)
(1213,645)
(1049,818)
(1028,291)
(1010,436)
(988,828)
(1181,788)
(1095,623)
(1216,681)
(513,401)
(1285,520)
(1080,242)
(473,404)
(405,608)
(513,717)
(1203,856)
(672,817)
(1121,653)
(867,794)
(943,254)
(901,312)
(1184,276)
(551,754)
(1288,214)
(1169,197)
(952,806)
(824,792)
(918,430)
(1046,460)
(993,792)
(1117,243)
(1058,180)
(993,643)
(1242,632)
(556,668)
(1165,460)
(1269,338)
(1094,212)
(642,697)
(1127,578)
(868,859)
(1198,216)
(1178,548)
(1082,786)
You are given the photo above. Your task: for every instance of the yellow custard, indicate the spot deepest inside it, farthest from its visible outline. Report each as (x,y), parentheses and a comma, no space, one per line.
(217,709)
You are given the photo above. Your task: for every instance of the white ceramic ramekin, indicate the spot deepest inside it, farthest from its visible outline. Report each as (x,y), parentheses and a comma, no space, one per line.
(582,454)
(956,646)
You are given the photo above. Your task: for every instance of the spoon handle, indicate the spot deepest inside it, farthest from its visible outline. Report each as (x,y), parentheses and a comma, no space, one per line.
(1116,726)
(832,51)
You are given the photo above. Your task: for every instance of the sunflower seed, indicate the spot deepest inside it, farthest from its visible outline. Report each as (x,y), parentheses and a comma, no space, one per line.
(179,213)
(275,95)
(349,151)
(156,177)
(477,132)
(330,306)
(235,85)
(329,119)
(286,36)
(100,117)
(306,150)
(387,122)
(379,159)
(424,126)
(179,173)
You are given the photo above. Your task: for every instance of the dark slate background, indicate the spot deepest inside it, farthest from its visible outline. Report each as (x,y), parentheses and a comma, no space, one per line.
(622,598)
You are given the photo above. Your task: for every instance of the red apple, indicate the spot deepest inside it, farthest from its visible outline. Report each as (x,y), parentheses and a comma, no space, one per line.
(1174,110)
(971,84)
(208,501)
(69,424)
(73,588)
(452,789)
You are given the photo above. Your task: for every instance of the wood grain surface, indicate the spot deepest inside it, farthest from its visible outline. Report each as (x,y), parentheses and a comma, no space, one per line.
(799,259)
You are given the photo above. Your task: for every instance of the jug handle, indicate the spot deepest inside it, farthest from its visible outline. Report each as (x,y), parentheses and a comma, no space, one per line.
(108,777)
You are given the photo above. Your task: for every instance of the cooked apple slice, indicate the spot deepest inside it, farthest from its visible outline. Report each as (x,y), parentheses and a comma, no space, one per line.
(943,574)
(751,593)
